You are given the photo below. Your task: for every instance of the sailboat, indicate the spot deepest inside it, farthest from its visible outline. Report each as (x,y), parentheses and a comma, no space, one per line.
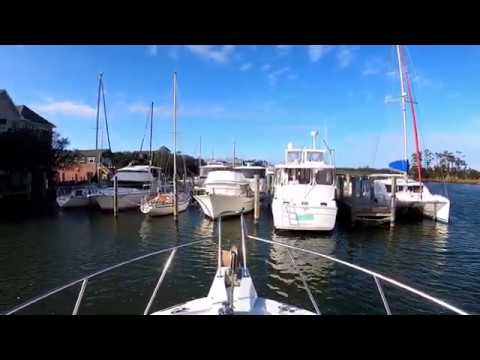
(83,196)
(410,194)
(167,201)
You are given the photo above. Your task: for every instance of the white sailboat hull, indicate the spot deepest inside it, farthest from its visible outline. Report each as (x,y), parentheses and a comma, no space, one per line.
(161,210)
(213,204)
(318,218)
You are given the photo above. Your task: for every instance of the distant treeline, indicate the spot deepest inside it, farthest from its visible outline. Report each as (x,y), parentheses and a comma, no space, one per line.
(443,165)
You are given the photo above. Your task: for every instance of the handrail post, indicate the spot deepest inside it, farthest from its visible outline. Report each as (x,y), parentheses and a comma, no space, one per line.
(160,280)
(384,299)
(244,250)
(219,243)
(80,296)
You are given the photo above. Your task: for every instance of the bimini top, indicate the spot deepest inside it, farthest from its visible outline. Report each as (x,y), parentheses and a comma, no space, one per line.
(225,176)
(304,158)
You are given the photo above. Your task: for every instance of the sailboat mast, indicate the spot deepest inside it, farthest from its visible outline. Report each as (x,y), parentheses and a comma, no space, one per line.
(403,105)
(415,132)
(175,145)
(151,133)
(233,160)
(200,157)
(98,118)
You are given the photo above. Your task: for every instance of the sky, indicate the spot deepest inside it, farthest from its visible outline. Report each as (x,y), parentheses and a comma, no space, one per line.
(262,97)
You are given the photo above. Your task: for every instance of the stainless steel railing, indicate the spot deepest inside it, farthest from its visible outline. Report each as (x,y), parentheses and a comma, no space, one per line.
(376,276)
(84,280)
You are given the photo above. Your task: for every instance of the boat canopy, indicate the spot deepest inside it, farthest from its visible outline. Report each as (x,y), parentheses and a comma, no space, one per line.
(400,165)
(221,176)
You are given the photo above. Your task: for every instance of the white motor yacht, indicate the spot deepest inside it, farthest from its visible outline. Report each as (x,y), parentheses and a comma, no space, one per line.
(225,191)
(134,182)
(304,191)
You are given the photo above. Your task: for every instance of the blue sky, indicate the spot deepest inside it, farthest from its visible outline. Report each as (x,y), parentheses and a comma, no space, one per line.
(260,96)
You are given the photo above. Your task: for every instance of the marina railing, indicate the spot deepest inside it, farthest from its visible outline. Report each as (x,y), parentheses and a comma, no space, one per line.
(376,276)
(84,280)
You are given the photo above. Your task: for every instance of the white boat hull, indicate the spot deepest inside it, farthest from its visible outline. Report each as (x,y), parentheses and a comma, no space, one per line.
(245,301)
(130,200)
(213,205)
(73,201)
(161,210)
(319,218)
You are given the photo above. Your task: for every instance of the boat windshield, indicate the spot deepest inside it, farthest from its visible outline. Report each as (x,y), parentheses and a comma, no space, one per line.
(304,176)
(314,156)
(294,156)
(250,173)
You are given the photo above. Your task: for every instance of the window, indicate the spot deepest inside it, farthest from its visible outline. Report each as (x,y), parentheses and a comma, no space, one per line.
(3,121)
(415,189)
(294,156)
(314,156)
(323,177)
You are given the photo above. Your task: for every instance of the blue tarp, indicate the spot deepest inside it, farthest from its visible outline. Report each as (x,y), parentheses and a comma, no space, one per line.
(400,165)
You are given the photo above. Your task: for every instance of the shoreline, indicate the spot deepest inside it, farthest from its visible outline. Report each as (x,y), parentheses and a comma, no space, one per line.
(456,181)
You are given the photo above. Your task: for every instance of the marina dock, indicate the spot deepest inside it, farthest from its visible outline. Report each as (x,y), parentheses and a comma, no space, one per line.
(356,198)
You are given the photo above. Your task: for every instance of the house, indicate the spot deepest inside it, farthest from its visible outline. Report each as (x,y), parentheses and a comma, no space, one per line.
(26,132)
(84,167)
(14,118)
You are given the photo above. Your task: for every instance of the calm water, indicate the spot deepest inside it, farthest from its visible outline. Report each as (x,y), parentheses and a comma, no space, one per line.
(43,252)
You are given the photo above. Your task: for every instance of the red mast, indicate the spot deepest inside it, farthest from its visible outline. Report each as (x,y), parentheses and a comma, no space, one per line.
(411,100)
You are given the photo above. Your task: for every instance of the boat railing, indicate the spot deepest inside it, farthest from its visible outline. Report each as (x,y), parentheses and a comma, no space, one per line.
(376,276)
(84,280)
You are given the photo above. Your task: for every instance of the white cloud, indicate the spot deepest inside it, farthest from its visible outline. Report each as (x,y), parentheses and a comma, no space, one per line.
(273,76)
(345,55)
(316,52)
(266,67)
(374,66)
(283,49)
(193,111)
(152,50)
(246,67)
(218,54)
(65,107)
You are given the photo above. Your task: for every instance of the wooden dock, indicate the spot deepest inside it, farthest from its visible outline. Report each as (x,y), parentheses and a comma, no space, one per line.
(355,195)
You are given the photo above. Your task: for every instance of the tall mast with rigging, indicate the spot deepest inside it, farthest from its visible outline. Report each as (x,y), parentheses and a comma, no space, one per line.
(408,97)
(403,99)
(97,159)
(175,209)
(151,133)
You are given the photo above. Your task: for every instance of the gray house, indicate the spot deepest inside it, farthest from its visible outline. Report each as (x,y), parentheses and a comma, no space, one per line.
(30,180)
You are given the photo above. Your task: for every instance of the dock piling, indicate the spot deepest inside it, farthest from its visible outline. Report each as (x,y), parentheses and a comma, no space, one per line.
(256,214)
(393,201)
(115,196)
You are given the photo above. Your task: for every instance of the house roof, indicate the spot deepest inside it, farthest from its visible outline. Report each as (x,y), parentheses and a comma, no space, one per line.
(7,107)
(9,110)
(28,114)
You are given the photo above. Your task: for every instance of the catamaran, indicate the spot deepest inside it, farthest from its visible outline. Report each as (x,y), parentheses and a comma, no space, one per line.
(304,190)
(410,194)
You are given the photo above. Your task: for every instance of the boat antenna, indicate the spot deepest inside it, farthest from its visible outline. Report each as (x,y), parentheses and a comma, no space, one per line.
(314,134)
(233,160)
